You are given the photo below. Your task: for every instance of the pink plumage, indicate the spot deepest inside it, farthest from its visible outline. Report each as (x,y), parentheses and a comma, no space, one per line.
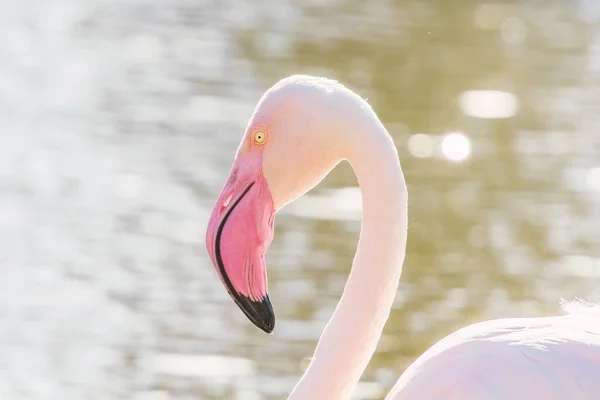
(310,125)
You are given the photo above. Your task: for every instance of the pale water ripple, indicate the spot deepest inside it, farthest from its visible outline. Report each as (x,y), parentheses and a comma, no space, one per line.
(119,121)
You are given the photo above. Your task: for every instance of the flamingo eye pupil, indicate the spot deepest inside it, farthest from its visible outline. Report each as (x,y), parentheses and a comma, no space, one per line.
(260,137)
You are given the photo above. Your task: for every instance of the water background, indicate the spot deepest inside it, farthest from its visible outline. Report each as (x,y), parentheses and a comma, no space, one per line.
(118,124)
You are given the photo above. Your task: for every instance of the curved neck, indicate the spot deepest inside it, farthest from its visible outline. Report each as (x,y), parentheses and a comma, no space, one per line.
(351,335)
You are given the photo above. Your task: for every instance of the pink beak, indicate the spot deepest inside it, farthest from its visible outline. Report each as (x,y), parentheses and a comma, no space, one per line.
(239,232)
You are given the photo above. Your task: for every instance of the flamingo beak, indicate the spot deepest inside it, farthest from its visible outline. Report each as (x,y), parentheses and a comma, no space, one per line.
(239,232)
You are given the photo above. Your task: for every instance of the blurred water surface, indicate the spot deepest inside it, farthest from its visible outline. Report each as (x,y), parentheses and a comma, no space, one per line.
(118,124)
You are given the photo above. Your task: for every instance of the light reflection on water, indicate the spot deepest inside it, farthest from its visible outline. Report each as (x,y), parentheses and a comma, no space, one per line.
(342,204)
(119,122)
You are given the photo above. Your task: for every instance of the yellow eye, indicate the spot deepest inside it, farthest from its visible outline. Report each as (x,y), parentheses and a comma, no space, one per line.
(260,137)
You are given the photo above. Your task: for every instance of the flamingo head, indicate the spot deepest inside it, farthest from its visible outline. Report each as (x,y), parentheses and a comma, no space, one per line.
(287,149)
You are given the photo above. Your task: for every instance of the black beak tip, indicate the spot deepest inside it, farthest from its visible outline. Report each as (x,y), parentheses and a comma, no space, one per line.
(260,313)
(268,326)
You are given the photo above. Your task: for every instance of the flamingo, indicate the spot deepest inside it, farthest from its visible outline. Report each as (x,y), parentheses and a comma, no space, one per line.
(301,128)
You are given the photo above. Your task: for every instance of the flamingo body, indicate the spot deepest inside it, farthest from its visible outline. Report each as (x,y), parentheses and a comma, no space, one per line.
(550,358)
